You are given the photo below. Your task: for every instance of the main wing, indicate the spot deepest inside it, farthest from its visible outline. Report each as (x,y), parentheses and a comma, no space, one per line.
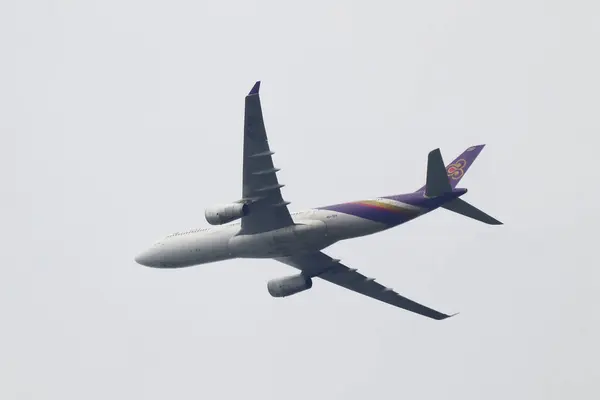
(261,189)
(320,265)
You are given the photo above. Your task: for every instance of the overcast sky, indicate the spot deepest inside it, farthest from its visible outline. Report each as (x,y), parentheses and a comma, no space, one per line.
(121,121)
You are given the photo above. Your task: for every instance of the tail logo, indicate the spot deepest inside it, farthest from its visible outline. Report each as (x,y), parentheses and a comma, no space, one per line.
(457,169)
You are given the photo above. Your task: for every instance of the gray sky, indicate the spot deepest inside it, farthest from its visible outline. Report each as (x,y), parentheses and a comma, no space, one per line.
(122,121)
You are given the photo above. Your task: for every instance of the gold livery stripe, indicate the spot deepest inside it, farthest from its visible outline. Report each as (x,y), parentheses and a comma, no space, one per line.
(388,207)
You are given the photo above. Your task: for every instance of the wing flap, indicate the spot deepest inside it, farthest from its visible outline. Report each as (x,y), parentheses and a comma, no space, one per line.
(331,270)
(369,287)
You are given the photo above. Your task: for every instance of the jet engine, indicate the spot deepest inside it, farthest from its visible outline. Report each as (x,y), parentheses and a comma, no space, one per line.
(222,214)
(282,287)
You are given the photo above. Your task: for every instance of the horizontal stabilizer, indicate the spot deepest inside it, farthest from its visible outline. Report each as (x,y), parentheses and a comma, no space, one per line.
(437,179)
(461,207)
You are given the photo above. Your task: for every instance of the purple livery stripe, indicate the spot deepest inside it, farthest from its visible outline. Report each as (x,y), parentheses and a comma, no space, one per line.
(391,210)
(394,210)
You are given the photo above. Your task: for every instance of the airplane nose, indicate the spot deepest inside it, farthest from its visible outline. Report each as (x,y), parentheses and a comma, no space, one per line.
(146,258)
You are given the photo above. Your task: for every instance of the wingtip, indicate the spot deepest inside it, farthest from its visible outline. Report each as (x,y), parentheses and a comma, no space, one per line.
(254,89)
(450,316)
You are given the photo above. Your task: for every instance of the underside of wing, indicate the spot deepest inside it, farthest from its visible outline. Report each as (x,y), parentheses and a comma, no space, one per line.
(322,266)
(261,188)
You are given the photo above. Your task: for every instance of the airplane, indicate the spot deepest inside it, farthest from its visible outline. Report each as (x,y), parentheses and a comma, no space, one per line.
(259,225)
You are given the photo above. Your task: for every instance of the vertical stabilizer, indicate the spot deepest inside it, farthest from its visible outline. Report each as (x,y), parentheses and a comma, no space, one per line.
(457,168)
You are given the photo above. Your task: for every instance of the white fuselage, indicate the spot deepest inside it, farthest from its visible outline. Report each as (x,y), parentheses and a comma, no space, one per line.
(313,230)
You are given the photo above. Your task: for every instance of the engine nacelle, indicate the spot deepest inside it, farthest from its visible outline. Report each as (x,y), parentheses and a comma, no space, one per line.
(282,287)
(222,214)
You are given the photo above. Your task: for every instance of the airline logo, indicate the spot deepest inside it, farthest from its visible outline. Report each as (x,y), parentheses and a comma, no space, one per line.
(457,169)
